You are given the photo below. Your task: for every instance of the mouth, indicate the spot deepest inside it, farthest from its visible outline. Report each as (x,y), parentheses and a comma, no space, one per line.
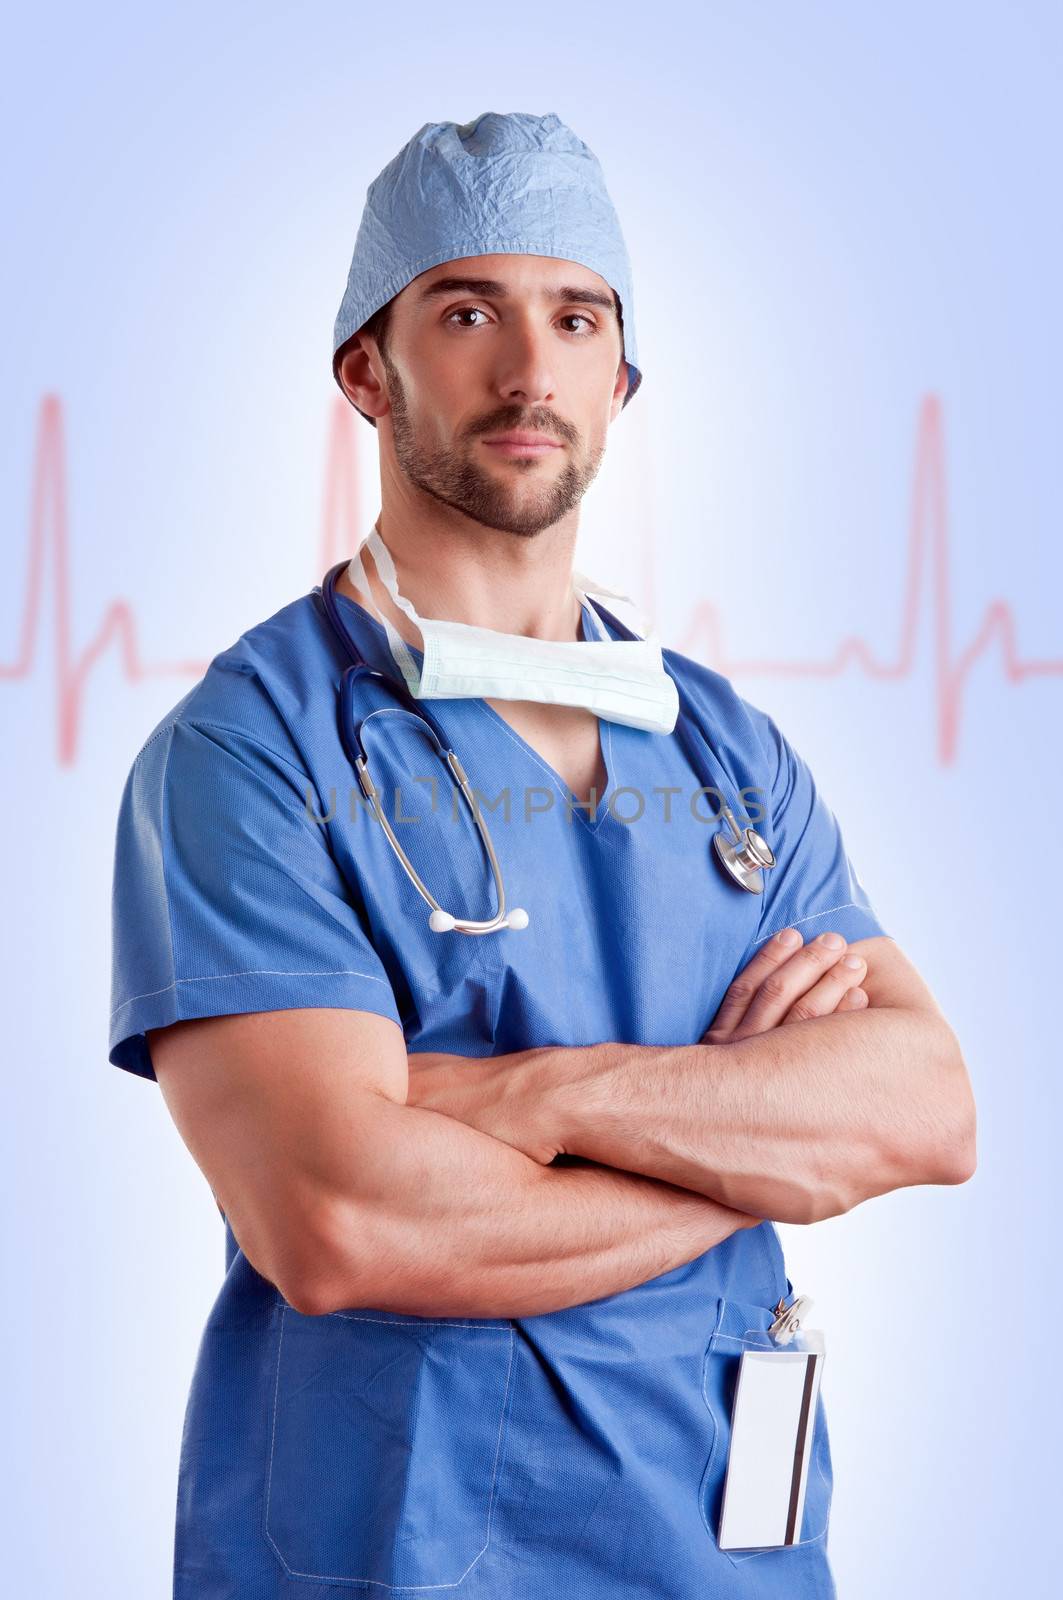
(522,444)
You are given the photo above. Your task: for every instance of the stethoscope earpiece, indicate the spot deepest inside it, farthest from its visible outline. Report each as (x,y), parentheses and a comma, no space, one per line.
(441,921)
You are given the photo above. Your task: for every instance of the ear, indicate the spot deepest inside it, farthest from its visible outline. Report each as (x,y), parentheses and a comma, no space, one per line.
(619,390)
(358,373)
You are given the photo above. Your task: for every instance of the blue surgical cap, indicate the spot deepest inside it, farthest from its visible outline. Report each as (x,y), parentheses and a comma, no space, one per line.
(504,184)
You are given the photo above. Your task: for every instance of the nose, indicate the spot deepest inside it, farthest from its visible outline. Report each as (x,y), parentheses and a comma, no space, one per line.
(525,370)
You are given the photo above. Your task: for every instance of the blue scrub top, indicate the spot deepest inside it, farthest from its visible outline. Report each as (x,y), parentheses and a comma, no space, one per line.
(582,1451)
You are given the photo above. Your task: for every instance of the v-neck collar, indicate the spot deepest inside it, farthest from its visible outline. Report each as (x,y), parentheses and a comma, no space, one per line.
(378,654)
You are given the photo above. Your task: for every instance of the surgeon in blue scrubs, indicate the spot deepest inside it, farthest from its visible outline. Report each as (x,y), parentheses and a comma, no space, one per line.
(498,1207)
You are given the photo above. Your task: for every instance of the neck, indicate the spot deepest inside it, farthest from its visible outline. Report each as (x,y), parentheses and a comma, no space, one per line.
(483,577)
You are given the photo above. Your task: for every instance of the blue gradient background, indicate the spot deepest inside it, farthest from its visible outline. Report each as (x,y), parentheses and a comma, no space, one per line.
(833,212)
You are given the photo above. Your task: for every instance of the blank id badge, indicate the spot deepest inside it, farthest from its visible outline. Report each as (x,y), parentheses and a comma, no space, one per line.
(772,1423)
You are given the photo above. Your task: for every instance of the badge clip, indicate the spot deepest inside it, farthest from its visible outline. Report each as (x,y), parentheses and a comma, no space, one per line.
(788,1318)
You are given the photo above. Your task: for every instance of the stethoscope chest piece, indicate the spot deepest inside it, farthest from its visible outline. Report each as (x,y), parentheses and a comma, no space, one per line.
(745,860)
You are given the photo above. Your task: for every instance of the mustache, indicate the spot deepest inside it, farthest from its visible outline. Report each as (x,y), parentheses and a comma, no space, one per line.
(538,422)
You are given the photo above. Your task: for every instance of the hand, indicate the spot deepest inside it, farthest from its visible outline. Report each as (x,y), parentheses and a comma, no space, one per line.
(789,983)
(495,1094)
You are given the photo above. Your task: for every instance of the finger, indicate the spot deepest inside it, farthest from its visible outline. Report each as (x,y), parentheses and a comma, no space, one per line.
(853,1000)
(789,982)
(825,996)
(740,993)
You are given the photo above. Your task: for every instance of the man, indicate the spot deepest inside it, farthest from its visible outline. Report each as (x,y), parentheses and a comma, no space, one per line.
(498,1206)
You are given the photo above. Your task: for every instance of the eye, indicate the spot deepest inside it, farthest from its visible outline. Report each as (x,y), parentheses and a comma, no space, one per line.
(577,316)
(467,311)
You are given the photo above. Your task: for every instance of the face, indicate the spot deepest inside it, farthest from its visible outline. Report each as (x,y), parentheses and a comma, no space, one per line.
(487,346)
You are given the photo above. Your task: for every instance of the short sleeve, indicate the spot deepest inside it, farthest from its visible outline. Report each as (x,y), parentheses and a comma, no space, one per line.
(226,897)
(813,886)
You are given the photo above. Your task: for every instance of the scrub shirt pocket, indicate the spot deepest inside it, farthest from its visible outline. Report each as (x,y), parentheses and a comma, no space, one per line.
(719,1375)
(386,1444)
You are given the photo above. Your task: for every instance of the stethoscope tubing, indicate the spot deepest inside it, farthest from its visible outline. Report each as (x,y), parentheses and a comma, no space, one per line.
(743,860)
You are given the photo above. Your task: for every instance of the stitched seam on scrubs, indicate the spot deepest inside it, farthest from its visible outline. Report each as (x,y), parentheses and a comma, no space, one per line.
(845,905)
(149,742)
(376,1582)
(254,972)
(273,1440)
(317,823)
(503,1325)
(241,733)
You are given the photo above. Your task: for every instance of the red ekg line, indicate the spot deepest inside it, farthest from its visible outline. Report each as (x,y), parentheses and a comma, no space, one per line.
(928,562)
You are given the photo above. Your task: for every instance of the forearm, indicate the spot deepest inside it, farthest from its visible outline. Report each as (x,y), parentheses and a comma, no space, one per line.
(440,1219)
(798,1123)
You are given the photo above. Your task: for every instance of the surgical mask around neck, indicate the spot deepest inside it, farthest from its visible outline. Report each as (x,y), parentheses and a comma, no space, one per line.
(621,680)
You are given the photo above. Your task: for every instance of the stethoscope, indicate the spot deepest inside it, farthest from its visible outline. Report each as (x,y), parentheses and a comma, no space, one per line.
(744,857)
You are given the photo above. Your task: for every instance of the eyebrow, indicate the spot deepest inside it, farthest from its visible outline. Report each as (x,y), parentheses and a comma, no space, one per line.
(492,289)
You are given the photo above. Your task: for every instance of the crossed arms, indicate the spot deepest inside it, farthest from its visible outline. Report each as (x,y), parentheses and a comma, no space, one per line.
(353,1174)
(797,1123)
